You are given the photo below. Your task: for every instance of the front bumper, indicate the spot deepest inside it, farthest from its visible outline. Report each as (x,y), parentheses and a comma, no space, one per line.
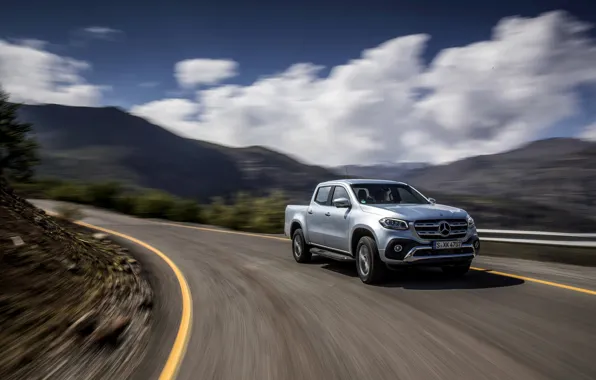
(415,253)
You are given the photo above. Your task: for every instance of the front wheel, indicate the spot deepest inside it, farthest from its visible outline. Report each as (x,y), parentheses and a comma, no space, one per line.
(300,250)
(456,270)
(371,269)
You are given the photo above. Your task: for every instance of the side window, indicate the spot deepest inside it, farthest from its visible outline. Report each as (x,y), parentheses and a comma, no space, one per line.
(322,195)
(361,194)
(340,192)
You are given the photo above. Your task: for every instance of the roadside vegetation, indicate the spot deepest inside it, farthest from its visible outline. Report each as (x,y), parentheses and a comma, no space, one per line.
(242,212)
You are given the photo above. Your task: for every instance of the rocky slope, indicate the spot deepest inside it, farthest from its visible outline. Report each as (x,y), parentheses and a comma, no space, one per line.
(71,306)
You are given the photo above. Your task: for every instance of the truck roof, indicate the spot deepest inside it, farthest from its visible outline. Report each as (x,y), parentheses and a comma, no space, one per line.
(358,181)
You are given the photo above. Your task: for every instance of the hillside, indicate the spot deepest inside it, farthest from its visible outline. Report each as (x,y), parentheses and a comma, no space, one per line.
(84,143)
(88,144)
(263,168)
(560,173)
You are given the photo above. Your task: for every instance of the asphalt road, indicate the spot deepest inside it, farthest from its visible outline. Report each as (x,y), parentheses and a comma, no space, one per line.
(257,314)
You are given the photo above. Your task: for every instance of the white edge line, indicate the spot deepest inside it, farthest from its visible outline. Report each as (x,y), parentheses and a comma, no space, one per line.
(581,244)
(540,233)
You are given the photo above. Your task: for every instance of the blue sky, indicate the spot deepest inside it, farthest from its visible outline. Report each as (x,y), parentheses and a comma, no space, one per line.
(265,38)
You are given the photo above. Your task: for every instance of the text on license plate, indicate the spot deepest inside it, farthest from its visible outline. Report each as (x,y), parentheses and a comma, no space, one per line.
(447,244)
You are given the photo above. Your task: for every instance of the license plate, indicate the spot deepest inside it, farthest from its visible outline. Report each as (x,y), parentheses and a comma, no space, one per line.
(447,244)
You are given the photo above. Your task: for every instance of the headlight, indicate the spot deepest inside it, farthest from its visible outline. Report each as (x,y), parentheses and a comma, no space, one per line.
(394,224)
(470,221)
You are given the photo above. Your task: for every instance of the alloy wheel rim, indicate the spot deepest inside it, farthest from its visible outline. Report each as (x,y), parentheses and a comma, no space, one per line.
(297,247)
(363,260)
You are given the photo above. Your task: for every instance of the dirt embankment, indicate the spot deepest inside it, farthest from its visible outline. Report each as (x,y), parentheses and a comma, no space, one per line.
(72,305)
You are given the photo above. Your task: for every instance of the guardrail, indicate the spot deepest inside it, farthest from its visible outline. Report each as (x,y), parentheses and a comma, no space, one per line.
(580,240)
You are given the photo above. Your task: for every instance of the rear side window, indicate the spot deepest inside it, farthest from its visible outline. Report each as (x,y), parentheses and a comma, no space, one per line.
(322,195)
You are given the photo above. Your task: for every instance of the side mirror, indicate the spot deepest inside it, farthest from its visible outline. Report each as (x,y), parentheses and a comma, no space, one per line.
(432,200)
(341,202)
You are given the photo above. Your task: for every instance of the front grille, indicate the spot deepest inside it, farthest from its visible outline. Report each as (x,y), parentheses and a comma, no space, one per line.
(431,229)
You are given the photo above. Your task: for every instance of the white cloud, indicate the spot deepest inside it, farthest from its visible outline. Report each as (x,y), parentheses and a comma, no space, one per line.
(181,112)
(389,106)
(102,32)
(194,72)
(32,42)
(32,75)
(589,132)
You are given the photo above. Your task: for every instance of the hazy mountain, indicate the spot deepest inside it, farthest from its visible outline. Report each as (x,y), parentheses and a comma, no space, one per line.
(107,143)
(560,172)
(379,171)
(547,184)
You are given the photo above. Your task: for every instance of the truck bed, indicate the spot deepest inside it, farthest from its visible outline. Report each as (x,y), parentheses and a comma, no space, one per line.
(291,212)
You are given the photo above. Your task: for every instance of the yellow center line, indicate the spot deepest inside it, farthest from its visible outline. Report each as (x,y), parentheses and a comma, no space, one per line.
(529,279)
(224,231)
(174,361)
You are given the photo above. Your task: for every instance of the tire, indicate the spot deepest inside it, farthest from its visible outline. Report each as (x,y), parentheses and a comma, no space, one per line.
(300,250)
(371,269)
(456,270)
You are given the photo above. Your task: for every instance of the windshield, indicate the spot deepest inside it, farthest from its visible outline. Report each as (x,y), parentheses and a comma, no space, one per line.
(387,193)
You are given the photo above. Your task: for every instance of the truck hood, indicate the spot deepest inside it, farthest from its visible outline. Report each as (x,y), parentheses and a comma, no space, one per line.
(412,212)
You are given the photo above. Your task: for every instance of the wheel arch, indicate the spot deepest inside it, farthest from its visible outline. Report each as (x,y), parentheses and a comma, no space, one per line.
(358,233)
(294,226)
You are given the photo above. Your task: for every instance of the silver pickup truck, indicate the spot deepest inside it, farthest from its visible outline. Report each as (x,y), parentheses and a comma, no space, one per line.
(381,225)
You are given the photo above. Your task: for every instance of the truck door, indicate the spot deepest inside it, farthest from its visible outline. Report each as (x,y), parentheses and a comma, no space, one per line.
(338,221)
(316,220)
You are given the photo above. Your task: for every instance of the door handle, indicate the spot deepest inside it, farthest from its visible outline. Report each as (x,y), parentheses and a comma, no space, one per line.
(328,213)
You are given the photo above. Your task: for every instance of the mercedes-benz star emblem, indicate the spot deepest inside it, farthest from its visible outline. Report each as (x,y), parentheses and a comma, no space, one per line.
(444,229)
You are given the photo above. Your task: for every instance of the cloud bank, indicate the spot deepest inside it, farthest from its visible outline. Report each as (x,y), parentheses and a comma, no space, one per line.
(32,75)
(389,106)
(589,133)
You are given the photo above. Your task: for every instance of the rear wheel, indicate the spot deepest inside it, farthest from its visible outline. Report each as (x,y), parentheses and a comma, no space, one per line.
(456,270)
(300,250)
(371,269)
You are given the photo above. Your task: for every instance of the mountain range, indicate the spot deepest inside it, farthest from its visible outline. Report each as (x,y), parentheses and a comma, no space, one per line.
(545,183)
(85,143)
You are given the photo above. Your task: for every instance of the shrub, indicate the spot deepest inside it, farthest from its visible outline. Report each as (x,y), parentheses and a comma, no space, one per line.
(30,189)
(103,195)
(125,204)
(153,204)
(69,212)
(185,211)
(217,213)
(269,213)
(68,192)
(239,215)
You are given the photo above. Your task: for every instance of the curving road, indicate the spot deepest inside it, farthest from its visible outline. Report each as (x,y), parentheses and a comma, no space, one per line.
(257,314)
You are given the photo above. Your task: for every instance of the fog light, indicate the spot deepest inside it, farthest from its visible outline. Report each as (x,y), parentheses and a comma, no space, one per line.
(477,244)
(397,248)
